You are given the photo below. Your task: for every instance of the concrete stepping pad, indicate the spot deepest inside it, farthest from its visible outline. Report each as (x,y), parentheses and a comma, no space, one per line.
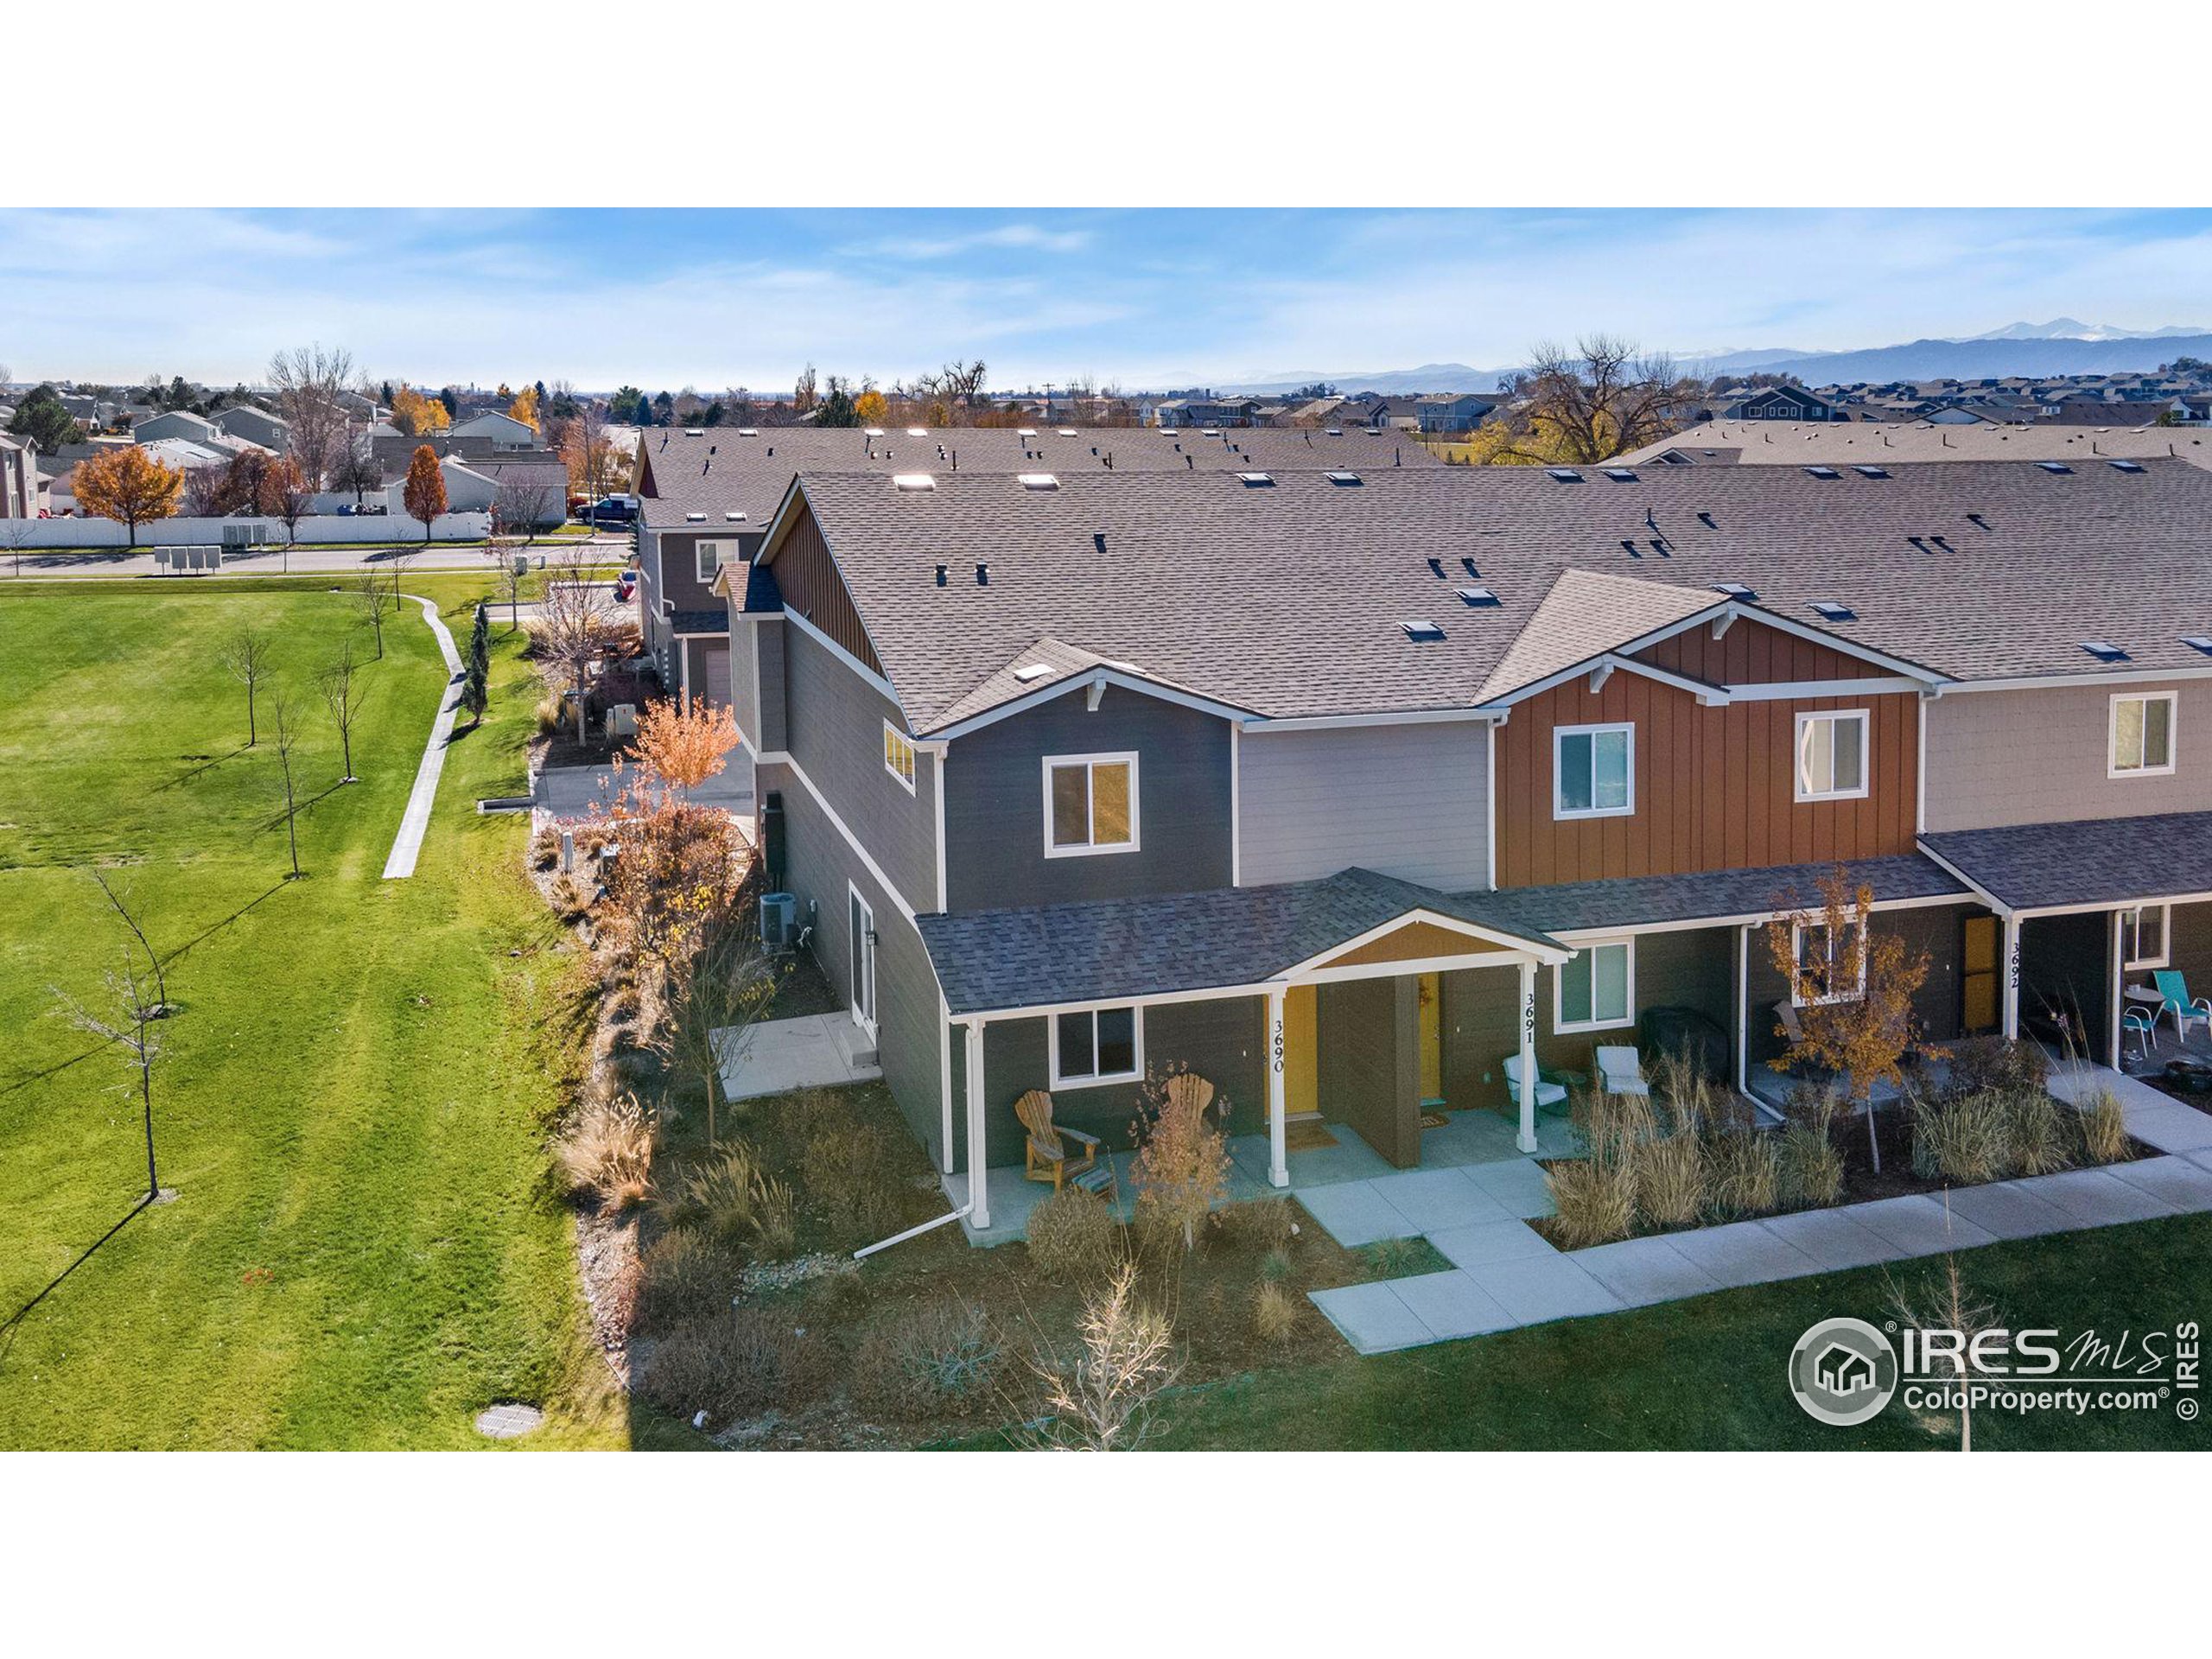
(2008,1210)
(1642,1271)
(1504,1240)
(1833,1239)
(1742,1253)
(1435,1199)
(2176,1181)
(1374,1319)
(1536,1288)
(1452,1305)
(2096,1197)
(2171,1128)
(1354,1213)
(1919,1224)
(1518,1184)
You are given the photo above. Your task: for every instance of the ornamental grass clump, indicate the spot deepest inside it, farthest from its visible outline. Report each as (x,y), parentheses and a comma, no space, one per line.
(732,1198)
(1073,1237)
(2104,1129)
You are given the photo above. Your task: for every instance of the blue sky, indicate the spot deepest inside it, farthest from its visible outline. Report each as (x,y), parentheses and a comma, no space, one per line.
(714,298)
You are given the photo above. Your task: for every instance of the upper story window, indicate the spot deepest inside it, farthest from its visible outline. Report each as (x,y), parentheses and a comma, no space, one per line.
(1595,989)
(1091,805)
(709,556)
(1832,756)
(1830,964)
(1594,771)
(2142,735)
(898,756)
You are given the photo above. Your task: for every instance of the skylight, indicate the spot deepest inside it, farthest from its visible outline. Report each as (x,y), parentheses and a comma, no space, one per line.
(1342,477)
(1029,671)
(1621,474)
(2124,465)
(1065,431)
(695,517)
(2104,651)
(1478,596)
(913,481)
(1420,629)
(1734,590)
(1038,480)
(1256,480)
(748,431)
(917,432)
(2197,642)
(733,518)
(1209,431)
(2054,466)
(695,432)
(1822,471)
(1832,611)
(1332,431)
(1563,474)
(1025,431)
(871,431)
(1865,470)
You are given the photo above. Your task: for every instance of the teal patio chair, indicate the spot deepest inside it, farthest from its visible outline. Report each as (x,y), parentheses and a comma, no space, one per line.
(2175,989)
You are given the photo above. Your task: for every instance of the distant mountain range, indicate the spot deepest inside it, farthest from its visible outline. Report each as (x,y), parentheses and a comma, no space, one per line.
(2063,346)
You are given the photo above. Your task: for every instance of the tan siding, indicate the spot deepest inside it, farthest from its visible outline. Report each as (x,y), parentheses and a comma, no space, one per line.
(2041,757)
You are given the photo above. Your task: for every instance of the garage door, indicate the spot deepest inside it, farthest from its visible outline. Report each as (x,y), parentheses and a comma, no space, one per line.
(713,658)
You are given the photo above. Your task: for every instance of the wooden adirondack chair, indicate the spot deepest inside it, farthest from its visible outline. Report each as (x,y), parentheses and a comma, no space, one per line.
(1051,1154)
(1189,1092)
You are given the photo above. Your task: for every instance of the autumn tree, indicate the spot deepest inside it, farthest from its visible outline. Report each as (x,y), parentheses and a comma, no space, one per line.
(343,692)
(1580,407)
(284,718)
(310,383)
(592,459)
(203,493)
(247,655)
(128,485)
(870,408)
(419,417)
(525,408)
(1850,991)
(804,393)
(1182,1165)
(246,483)
(425,491)
(681,865)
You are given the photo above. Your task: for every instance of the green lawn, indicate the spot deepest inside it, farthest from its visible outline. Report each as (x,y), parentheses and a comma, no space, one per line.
(1709,1373)
(364,1248)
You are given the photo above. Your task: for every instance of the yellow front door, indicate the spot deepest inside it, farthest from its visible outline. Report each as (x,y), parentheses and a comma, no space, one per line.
(1432,1039)
(1301,1093)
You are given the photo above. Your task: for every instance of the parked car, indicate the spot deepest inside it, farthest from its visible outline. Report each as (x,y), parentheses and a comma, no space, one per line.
(614,510)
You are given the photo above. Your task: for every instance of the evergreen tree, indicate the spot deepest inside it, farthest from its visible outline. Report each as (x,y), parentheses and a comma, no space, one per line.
(476,688)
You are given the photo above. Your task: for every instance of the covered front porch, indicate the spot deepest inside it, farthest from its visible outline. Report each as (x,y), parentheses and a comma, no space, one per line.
(1317,1010)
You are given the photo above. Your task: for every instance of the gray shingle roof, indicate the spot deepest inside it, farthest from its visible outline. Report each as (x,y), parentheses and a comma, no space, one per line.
(2093,861)
(1800,443)
(1717,895)
(720,471)
(1035,957)
(1288,600)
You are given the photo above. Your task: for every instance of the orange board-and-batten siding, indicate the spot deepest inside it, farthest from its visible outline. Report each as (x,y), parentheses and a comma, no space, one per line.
(1714,787)
(807,578)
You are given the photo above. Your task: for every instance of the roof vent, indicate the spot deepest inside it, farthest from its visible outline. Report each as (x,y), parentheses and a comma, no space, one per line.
(1822,471)
(1734,590)
(1025,431)
(1478,597)
(1420,629)
(1866,471)
(1621,474)
(1468,565)
(1066,431)
(982,572)
(1342,480)
(1706,518)
(2124,465)
(2104,651)
(733,518)
(1256,480)
(917,432)
(1038,480)
(695,517)
(695,432)
(871,431)
(1029,671)
(1563,474)
(748,431)
(913,481)
(2054,466)
(1977,521)
(940,575)
(1831,612)
(1919,543)
(1436,568)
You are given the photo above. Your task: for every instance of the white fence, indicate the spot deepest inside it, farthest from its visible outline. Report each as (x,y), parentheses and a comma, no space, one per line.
(104,533)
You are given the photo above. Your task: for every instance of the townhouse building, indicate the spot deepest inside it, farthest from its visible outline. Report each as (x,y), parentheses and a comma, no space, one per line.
(1356,790)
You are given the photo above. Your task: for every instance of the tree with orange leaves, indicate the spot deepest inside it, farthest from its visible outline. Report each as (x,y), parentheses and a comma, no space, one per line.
(128,485)
(425,491)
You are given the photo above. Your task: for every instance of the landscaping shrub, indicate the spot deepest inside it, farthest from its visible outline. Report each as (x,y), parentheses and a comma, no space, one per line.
(1274,1311)
(1277,1265)
(2104,1129)
(545,848)
(1670,1179)
(1612,1126)
(549,716)
(1744,1167)
(1073,1237)
(1963,1138)
(572,895)
(1181,1169)
(2035,1137)
(1595,1199)
(854,1178)
(941,1359)
(1812,1165)
(1979,1065)
(735,1365)
(1264,1224)
(684,1277)
(732,1198)
(607,1150)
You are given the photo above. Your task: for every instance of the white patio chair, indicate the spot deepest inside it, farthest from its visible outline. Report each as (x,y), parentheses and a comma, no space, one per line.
(1620,1070)
(1547,1094)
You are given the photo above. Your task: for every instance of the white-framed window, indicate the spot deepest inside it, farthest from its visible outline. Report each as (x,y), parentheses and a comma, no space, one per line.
(2146,936)
(1594,771)
(1831,965)
(709,557)
(2142,735)
(898,756)
(1831,755)
(1096,1045)
(1595,989)
(1091,805)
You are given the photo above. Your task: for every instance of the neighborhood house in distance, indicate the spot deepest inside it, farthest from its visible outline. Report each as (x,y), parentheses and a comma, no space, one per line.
(1431,778)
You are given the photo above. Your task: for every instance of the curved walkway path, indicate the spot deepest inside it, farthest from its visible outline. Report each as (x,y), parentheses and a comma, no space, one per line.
(401,864)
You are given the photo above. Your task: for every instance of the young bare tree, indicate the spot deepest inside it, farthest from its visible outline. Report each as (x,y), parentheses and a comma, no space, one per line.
(125,1020)
(368,598)
(402,559)
(512,576)
(715,995)
(1104,1396)
(15,535)
(247,655)
(153,957)
(344,691)
(205,493)
(576,619)
(1945,1304)
(309,382)
(286,492)
(285,717)
(358,471)
(520,506)
(1600,400)
(1851,992)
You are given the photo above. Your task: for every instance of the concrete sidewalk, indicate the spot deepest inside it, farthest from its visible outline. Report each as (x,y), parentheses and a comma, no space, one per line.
(416,820)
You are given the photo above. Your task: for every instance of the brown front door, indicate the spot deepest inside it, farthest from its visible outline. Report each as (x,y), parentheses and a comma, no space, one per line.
(1977,981)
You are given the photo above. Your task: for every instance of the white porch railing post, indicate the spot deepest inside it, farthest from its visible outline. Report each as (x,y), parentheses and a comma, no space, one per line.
(2012,973)
(979,1185)
(1527,1138)
(1278,1151)
(2117,975)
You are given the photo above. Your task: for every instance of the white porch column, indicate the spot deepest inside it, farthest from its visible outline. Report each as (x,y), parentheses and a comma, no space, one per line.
(2116,973)
(1278,1153)
(1527,1138)
(979,1187)
(2012,973)
(1744,1007)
